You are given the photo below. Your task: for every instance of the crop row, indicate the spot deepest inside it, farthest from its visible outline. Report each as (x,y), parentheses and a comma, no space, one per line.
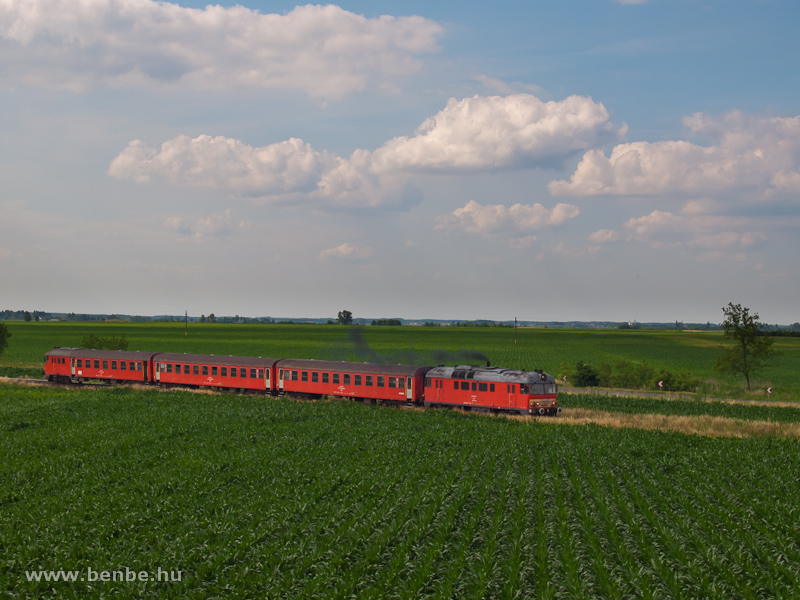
(252,497)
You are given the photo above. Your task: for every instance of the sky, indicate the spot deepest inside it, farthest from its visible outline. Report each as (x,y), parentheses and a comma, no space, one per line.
(577,160)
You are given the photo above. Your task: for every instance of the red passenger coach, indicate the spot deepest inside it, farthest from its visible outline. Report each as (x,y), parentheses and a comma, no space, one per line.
(57,366)
(233,372)
(359,380)
(492,388)
(78,364)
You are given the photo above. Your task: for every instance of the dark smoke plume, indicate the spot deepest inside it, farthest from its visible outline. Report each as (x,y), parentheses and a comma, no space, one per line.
(365,353)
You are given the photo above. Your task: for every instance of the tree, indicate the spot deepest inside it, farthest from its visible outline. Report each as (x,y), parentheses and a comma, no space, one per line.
(585,375)
(4,335)
(28,317)
(750,351)
(345,317)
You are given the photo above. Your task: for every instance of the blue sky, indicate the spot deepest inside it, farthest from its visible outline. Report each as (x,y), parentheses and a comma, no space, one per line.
(594,160)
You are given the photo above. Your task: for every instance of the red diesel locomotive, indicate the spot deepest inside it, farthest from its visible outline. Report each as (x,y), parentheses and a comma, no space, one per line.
(472,387)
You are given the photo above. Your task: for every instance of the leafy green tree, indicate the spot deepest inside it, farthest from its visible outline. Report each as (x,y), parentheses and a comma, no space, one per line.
(345,317)
(4,335)
(92,341)
(28,317)
(585,375)
(750,351)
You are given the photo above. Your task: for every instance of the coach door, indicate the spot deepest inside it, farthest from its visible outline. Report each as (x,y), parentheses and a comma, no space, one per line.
(72,366)
(409,391)
(280,379)
(512,394)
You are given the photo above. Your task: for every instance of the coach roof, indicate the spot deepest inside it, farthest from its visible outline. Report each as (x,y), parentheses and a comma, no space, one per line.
(213,359)
(348,367)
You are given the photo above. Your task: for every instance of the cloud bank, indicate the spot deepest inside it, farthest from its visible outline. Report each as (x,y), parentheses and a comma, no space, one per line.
(324,51)
(748,155)
(469,135)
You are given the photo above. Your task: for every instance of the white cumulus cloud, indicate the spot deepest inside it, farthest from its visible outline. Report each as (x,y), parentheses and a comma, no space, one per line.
(213,227)
(750,155)
(484,133)
(604,236)
(324,51)
(516,222)
(220,162)
(347,253)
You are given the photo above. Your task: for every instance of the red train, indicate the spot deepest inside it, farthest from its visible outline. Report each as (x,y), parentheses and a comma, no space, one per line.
(467,386)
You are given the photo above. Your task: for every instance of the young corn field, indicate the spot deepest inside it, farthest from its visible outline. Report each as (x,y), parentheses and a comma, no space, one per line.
(259,498)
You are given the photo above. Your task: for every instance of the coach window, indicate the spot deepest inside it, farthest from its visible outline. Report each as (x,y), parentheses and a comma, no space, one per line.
(325,377)
(314,377)
(380,381)
(392,382)
(187,369)
(304,376)
(369,380)
(105,364)
(213,371)
(358,379)
(80,363)
(113,365)
(123,366)
(346,379)
(261,373)
(294,375)
(254,376)
(205,369)
(336,378)
(223,371)
(169,367)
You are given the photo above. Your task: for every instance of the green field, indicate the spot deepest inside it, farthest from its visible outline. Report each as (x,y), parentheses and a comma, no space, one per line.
(251,497)
(547,349)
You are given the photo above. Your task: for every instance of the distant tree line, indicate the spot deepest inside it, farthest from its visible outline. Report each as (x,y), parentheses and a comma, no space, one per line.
(393,322)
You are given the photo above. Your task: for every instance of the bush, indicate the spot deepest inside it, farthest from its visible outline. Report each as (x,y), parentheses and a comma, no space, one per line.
(585,375)
(94,342)
(4,335)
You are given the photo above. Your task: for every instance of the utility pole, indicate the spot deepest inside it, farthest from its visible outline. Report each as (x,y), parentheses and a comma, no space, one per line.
(186,322)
